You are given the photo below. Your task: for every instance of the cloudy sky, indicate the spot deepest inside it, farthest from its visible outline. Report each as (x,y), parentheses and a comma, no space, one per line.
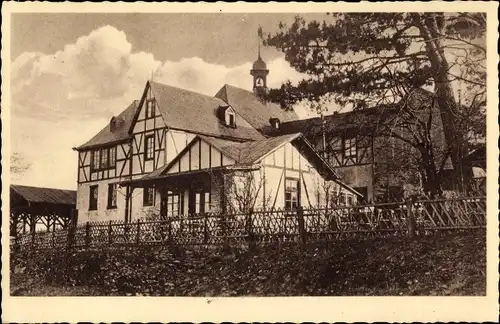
(72,72)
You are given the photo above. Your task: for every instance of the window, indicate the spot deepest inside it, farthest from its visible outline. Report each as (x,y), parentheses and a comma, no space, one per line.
(112,157)
(350,147)
(275,123)
(149,195)
(96,165)
(230,117)
(202,202)
(94,195)
(112,191)
(103,159)
(291,194)
(350,200)
(363,191)
(150,109)
(149,147)
(173,204)
(342,199)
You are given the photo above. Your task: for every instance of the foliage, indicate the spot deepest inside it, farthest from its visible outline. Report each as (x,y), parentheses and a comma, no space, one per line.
(363,60)
(366,59)
(435,265)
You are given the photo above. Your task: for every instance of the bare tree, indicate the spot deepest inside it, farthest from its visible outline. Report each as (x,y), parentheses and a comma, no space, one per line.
(326,192)
(243,189)
(18,165)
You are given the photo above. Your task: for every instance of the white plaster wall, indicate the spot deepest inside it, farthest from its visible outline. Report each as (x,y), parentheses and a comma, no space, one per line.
(102,213)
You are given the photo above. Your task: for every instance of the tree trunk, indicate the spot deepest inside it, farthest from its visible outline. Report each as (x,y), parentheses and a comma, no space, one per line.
(431,179)
(450,114)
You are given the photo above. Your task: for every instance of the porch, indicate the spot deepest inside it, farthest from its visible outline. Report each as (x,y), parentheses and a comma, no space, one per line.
(190,193)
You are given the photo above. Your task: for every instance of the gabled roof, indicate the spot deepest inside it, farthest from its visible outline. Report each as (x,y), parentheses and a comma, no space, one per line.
(339,122)
(44,195)
(252,152)
(361,119)
(252,109)
(194,112)
(248,154)
(105,136)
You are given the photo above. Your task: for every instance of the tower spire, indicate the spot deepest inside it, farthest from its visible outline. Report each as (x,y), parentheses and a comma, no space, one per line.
(259,38)
(259,69)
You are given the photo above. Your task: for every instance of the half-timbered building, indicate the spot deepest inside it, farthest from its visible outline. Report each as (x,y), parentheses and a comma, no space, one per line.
(362,149)
(177,152)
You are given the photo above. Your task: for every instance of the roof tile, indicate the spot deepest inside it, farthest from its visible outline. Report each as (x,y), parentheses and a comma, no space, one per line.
(195,112)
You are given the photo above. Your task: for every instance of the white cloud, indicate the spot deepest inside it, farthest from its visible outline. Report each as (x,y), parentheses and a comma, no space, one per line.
(60,100)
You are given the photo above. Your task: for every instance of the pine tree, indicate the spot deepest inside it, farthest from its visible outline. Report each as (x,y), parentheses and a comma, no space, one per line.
(370,59)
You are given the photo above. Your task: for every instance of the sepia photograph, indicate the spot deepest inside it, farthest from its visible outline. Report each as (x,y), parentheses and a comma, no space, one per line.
(251,154)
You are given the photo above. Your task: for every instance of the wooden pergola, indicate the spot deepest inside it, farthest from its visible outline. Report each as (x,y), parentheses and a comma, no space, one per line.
(35,208)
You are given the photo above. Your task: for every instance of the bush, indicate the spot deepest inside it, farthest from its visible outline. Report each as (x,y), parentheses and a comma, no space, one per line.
(389,266)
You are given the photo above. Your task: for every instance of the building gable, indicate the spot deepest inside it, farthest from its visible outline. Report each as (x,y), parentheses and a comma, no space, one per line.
(149,134)
(201,153)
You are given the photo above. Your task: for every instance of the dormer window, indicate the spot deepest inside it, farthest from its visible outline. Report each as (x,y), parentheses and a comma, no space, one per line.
(228,116)
(230,120)
(275,123)
(115,123)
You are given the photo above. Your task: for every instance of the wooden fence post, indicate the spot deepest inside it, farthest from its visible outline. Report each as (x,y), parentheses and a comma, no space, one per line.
(410,218)
(250,233)
(71,236)
(138,234)
(169,230)
(87,234)
(110,233)
(32,238)
(224,232)
(205,228)
(300,220)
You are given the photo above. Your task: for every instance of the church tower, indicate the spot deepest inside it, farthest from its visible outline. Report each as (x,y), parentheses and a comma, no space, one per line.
(259,72)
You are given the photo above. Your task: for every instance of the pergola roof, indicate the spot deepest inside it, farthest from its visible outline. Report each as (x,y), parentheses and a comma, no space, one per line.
(44,195)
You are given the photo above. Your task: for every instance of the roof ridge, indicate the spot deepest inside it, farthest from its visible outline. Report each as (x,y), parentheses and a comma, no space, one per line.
(38,187)
(185,90)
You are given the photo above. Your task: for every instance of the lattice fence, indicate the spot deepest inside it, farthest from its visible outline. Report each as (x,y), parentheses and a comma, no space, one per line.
(264,226)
